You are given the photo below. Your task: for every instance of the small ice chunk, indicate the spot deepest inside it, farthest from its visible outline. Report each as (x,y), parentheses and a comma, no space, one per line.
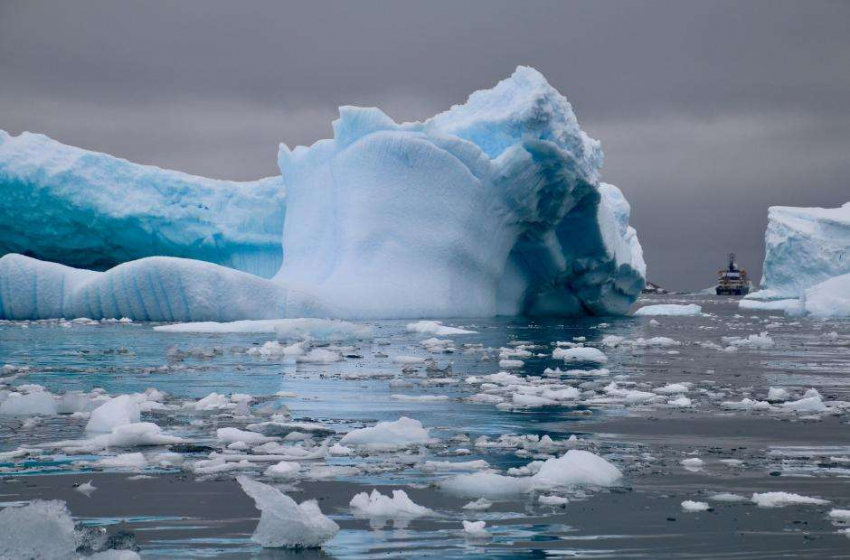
(379,507)
(781,499)
(435,328)
(284,469)
(401,433)
(115,412)
(475,529)
(511,364)
(478,505)
(692,463)
(123,461)
(30,404)
(233,435)
(320,356)
(670,309)
(778,394)
(840,515)
(691,506)
(806,404)
(553,500)
(284,523)
(580,355)
(681,402)
(86,488)
(728,497)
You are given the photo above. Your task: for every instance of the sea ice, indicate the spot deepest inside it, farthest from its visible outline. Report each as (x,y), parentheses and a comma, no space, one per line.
(668,309)
(574,469)
(387,435)
(378,507)
(319,331)
(691,506)
(436,328)
(284,523)
(580,355)
(475,529)
(781,499)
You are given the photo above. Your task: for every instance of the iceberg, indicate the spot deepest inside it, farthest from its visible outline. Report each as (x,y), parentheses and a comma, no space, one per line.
(91,210)
(494,207)
(807,262)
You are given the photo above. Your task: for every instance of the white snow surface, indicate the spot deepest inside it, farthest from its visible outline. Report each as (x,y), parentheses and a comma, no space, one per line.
(492,207)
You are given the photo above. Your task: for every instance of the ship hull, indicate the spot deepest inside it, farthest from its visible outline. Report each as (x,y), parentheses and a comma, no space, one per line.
(732,291)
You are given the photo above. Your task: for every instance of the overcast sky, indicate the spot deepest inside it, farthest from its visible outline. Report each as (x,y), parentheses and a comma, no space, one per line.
(708,111)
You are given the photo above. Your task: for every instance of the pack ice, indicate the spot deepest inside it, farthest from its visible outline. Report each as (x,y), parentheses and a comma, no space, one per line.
(492,207)
(807,262)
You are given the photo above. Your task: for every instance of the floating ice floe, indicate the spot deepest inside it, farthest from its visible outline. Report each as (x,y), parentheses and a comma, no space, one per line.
(670,309)
(436,328)
(691,506)
(380,509)
(388,435)
(592,355)
(284,523)
(727,497)
(762,340)
(575,468)
(476,529)
(320,331)
(782,499)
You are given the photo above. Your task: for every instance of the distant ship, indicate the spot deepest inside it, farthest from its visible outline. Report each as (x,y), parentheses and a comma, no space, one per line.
(733,281)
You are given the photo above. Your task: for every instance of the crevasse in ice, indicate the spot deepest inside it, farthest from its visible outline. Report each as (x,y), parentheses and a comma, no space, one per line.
(492,207)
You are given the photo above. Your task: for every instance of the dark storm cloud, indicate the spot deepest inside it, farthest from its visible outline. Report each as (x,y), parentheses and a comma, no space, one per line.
(709,112)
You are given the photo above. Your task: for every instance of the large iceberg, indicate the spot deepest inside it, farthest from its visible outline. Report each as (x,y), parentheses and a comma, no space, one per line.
(807,257)
(85,209)
(492,207)
(804,247)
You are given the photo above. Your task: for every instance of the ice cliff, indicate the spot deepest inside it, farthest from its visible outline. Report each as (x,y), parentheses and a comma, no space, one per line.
(807,258)
(85,209)
(492,207)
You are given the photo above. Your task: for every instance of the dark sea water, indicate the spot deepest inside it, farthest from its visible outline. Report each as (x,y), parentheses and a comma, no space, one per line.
(176,512)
